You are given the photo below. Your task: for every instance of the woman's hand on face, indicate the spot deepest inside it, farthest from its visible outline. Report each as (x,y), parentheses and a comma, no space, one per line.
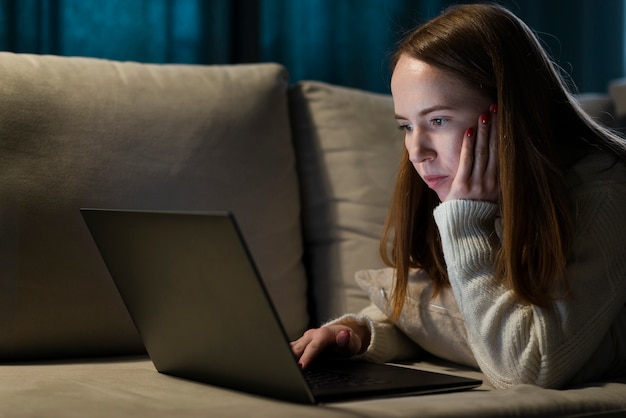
(477,175)
(339,339)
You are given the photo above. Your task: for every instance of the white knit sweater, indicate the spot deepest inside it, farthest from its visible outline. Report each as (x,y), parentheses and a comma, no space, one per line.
(582,337)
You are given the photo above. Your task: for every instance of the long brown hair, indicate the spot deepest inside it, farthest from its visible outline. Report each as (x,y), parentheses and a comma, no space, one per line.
(542,131)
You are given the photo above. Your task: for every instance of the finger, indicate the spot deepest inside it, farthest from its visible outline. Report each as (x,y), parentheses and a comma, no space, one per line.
(348,343)
(466,158)
(312,343)
(310,352)
(492,166)
(490,183)
(481,149)
(299,345)
(343,339)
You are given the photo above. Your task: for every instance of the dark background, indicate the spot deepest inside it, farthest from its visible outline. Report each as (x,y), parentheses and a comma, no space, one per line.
(345,42)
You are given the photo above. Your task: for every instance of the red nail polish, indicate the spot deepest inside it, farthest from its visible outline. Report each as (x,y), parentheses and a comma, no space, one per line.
(493,108)
(470,132)
(484,118)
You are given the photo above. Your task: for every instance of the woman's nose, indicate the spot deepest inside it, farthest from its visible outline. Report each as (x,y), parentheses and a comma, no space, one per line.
(418,148)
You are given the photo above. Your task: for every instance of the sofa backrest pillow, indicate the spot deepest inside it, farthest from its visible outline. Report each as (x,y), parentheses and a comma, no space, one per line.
(79,132)
(349,148)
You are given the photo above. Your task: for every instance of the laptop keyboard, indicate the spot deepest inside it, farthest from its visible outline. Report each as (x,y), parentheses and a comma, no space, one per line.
(325,379)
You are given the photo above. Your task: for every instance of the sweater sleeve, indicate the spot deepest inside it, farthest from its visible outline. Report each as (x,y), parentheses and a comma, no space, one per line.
(518,343)
(387,342)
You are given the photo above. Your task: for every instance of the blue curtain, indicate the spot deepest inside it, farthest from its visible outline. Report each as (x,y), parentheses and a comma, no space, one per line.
(346,42)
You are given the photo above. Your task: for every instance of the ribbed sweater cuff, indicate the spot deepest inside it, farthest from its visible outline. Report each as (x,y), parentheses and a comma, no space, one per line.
(467,232)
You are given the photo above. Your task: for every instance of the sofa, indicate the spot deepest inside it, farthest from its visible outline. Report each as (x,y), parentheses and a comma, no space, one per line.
(307,169)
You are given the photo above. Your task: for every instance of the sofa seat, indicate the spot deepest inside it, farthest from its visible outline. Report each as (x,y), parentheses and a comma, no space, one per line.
(131,387)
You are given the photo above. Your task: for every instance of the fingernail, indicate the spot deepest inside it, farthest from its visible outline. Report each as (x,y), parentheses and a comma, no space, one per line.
(300,365)
(493,108)
(470,132)
(343,339)
(484,118)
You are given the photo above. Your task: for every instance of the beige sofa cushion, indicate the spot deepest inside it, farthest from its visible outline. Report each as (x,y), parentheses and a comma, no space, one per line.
(433,322)
(132,388)
(348,149)
(617,93)
(81,132)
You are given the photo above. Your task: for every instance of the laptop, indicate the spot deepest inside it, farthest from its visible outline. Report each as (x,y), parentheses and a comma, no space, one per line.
(203,313)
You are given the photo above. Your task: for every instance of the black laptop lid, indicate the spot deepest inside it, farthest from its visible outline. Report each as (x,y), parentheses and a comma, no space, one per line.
(188,283)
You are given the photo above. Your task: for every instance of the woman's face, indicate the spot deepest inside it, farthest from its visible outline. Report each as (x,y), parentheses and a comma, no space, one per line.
(436,110)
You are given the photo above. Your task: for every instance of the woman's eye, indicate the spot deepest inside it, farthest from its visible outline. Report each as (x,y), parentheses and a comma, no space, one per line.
(406,127)
(438,121)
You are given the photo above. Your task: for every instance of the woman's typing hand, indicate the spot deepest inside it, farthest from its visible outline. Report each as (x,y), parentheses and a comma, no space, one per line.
(338,339)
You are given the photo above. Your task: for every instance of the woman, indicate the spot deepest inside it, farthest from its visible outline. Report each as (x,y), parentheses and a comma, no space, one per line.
(509,197)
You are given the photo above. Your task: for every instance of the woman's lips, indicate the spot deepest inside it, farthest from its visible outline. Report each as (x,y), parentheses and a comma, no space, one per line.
(434,181)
